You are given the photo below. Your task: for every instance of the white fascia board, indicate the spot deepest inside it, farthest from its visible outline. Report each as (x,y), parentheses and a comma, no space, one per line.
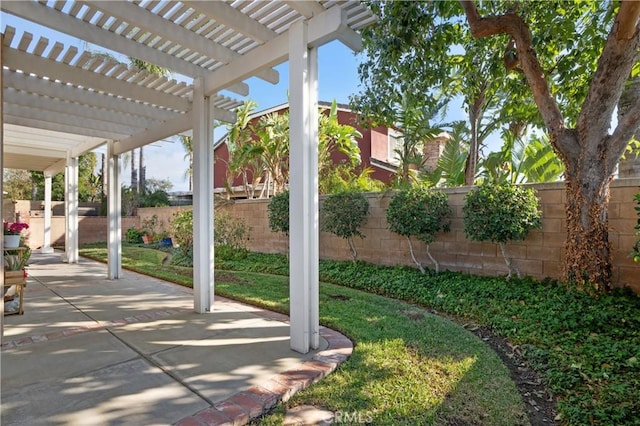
(58,90)
(321,29)
(306,8)
(16,59)
(330,26)
(64,23)
(154,24)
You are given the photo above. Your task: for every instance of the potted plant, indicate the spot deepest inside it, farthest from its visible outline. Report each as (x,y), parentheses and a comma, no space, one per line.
(15,278)
(12,233)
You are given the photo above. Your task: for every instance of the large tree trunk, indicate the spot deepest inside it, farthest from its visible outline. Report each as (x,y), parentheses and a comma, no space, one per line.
(587,251)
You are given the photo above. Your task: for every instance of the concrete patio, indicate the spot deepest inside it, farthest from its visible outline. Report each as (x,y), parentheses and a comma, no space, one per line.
(132,351)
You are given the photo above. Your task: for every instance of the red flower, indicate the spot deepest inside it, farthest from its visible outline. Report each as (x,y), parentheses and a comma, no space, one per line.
(14,228)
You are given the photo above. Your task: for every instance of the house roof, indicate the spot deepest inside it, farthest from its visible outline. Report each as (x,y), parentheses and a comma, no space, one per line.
(59,101)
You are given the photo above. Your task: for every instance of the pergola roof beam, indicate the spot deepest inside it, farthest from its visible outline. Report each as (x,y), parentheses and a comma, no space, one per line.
(24,150)
(77,110)
(57,127)
(63,118)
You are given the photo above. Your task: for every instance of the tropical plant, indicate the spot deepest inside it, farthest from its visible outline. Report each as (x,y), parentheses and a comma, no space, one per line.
(419,212)
(414,124)
(187,144)
(343,214)
(450,170)
(501,212)
(242,156)
(333,138)
(272,150)
(519,161)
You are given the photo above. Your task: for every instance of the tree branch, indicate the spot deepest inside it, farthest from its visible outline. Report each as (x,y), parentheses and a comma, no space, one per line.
(614,68)
(513,25)
(628,19)
(627,127)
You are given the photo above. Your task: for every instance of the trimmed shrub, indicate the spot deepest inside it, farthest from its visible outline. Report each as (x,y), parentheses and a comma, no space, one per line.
(278,211)
(342,214)
(422,213)
(501,212)
(230,235)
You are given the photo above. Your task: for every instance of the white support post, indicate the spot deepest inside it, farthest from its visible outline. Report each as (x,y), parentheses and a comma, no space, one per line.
(114,212)
(203,268)
(303,191)
(46,245)
(71,210)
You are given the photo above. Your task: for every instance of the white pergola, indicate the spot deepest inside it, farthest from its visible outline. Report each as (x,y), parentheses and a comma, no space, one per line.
(59,102)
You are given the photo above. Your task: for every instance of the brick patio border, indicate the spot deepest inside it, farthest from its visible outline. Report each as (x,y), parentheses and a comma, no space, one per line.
(256,401)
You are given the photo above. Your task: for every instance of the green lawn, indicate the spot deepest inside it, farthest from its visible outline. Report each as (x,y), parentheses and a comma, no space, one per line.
(587,350)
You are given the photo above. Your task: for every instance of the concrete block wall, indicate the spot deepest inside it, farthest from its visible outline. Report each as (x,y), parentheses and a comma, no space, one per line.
(91,229)
(540,255)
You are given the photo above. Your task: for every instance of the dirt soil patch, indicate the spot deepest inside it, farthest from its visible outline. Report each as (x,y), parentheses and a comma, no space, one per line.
(538,400)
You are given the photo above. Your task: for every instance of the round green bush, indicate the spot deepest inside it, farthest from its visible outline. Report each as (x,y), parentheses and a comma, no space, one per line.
(344,213)
(500,212)
(419,212)
(278,211)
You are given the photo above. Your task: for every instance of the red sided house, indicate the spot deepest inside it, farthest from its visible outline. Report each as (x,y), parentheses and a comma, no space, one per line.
(376,150)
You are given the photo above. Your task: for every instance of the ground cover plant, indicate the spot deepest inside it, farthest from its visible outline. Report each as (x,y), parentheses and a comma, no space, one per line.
(587,350)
